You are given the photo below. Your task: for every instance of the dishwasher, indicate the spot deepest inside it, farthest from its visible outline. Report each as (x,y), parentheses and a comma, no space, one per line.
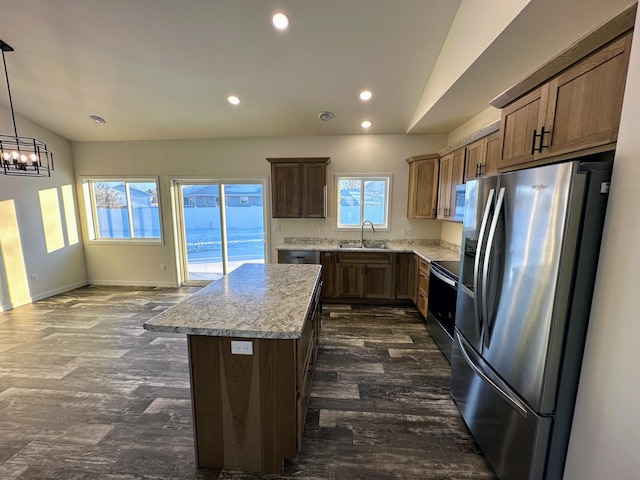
(299,256)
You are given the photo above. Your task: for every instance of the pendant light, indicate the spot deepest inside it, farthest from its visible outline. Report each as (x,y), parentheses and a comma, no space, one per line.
(24,156)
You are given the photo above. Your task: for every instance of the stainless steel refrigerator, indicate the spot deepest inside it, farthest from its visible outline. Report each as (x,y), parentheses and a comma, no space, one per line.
(529,254)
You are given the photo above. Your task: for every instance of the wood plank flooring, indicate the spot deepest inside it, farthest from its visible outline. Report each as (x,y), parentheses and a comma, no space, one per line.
(87,393)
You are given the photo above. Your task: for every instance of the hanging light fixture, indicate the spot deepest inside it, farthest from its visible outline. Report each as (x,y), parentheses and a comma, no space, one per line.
(22,155)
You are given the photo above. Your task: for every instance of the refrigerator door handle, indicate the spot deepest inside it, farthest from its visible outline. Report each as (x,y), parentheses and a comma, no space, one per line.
(499,386)
(476,267)
(485,267)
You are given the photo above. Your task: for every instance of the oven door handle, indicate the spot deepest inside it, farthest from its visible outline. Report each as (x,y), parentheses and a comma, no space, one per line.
(441,277)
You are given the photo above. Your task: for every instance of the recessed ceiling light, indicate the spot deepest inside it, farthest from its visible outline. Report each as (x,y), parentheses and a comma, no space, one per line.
(365,95)
(97,119)
(366,124)
(280,21)
(233,100)
(325,116)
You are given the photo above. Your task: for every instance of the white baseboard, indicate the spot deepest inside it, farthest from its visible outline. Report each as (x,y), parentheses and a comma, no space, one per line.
(118,283)
(43,295)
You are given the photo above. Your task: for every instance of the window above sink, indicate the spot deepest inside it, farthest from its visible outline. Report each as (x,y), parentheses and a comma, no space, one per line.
(363,197)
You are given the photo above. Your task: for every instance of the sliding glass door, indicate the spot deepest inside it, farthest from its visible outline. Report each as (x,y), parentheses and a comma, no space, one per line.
(221,227)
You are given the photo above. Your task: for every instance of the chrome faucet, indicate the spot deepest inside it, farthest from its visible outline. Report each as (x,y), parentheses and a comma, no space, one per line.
(362,231)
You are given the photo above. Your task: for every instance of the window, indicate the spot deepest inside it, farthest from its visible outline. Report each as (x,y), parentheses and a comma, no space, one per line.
(361,198)
(122,209)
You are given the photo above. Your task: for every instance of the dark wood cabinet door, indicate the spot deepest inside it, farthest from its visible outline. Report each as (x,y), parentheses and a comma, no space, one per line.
(444,184)
(518,123)
(299,187)
(314,181)
(585,102)
(328,274)
(286,190)
(349,280)
(454,176)
(378,281)
(492,155)
(405,275)
(423,188)
(475,159)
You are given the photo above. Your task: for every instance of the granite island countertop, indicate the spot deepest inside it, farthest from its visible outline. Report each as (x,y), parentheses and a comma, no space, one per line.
(253,301)
(427,250)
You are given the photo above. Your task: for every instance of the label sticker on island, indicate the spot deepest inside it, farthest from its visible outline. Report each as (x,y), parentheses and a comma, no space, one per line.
(241,347)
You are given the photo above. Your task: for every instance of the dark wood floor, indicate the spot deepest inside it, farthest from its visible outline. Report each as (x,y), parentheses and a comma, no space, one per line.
(86,393)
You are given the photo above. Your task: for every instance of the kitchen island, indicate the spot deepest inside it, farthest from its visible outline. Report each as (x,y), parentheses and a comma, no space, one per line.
(252,341)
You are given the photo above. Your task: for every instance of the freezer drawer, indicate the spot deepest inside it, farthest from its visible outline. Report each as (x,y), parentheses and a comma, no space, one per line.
(512,437)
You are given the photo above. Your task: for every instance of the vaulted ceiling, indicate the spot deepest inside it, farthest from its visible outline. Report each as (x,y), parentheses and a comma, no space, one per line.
(163,69)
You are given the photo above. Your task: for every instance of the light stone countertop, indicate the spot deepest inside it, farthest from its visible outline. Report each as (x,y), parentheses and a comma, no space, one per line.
(427,250)
(253,301)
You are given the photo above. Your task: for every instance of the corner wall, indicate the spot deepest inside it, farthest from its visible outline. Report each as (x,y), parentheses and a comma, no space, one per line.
(41,253)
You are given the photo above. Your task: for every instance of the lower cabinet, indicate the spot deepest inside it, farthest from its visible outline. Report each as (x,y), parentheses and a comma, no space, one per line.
(422,290)
(328,261)
(249,410)
(364,275)
(406,270)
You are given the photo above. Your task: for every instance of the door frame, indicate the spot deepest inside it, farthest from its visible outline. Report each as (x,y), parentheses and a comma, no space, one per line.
(177,208)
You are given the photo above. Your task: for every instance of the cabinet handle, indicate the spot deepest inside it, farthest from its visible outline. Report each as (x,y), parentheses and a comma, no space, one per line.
(433,212)
(480,170)
(477,169)
(541,137)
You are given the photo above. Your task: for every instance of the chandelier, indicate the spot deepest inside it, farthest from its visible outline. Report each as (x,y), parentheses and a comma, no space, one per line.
(22,155)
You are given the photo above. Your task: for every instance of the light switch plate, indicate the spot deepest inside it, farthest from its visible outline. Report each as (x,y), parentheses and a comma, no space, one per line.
(241,347)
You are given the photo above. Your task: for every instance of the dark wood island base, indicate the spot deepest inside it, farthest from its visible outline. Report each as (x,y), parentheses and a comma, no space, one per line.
(253,339)
(249,410)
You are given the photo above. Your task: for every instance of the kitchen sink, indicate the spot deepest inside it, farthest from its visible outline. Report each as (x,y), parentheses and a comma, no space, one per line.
(367,246)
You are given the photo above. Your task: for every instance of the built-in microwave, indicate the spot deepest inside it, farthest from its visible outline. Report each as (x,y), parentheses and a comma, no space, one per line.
(458,210)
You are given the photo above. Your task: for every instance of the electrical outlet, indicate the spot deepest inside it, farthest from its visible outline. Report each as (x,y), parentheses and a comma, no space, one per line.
(321,231)
(275,228)
(35,278)
(407,232)
(241,347)
(163,267)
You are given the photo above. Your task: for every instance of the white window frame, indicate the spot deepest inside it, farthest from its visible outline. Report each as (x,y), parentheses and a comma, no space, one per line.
(385,226)
(91,213)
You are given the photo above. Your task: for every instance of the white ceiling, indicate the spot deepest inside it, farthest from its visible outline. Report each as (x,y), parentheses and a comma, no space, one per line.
(162,69)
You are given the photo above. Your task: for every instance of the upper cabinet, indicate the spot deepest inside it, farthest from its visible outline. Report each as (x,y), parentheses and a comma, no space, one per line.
(482,157)
(299,187)
(451,174)
(423,186)
(576,111)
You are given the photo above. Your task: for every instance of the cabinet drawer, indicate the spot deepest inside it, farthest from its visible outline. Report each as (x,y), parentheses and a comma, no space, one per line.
(364,257)
(423,282)
(423,265)
(423,303)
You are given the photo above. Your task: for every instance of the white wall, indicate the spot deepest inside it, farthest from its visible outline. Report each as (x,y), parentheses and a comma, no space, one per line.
(244,158)
(476,25)
(58,267)
(480,121)
(606,430)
